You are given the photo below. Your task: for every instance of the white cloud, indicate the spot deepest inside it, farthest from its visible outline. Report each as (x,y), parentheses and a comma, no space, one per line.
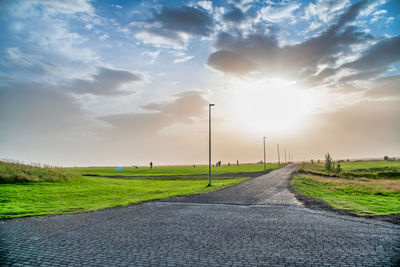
(163,42)
(325,11)
(184,59)
(278,14)
(152,55)
(207,5)
(88,26)
(377,15)
(104,37)
(66,7)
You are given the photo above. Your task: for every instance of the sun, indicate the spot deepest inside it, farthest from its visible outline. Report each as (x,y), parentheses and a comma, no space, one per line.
(271,106)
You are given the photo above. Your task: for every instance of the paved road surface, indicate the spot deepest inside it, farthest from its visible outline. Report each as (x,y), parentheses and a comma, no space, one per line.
(203,234)
(270,188)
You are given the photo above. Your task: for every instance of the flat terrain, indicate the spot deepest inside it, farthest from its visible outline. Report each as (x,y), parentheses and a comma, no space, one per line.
(91,193)
(379,169)
(173,170)
(203,234)
(361,188)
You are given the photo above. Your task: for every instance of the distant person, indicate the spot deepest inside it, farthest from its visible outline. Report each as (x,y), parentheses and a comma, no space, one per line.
(229,164)
(237,162)
(194,166)
(151,165)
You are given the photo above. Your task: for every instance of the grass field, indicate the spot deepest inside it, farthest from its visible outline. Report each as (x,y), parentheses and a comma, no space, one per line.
(363,187)
(358,169)
(91,193)
(173,170)
(14,172)
(373,197)
(33,190)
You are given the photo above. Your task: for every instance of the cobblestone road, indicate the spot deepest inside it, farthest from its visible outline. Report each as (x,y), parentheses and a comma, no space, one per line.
(270,188)
(199,234)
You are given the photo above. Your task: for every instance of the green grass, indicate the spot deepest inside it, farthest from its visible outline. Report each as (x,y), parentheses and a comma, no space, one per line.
(173,170)
(13,172)
(358,169)
(363,197)
(92,193)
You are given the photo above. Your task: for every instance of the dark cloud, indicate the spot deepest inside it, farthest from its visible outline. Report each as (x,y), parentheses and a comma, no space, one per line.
(185,108)
(190,20)
(349,16)
(105,82)
(231,62)
(234,15)
(299,61)
(379,56)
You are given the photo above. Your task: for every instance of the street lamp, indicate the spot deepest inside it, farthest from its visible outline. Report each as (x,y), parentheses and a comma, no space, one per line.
(279,157)
(265,167)
(209,144)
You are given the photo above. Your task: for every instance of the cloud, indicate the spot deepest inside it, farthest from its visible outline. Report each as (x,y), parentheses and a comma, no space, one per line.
(230,62)
(279,14)
(387,87)
(379,56)
(184,108)
(40,44)
(175,25)
(240,54)
(34,113)
(207,5)
(105,82)
(183,59)
(66,7)
(378,15)
(324,11)
(234,15)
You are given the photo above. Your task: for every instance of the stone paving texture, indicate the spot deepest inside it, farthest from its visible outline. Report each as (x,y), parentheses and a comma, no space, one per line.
(199,234)
(270,188)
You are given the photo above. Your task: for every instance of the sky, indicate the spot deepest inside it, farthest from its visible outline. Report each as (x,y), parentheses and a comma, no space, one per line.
(121,83)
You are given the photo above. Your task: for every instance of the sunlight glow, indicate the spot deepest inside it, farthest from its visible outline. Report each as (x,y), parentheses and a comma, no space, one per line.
(271,106)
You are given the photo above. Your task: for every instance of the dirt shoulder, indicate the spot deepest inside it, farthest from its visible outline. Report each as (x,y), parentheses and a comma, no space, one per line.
(318,204)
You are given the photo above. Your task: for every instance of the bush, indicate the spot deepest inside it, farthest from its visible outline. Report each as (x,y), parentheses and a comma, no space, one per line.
(328,162)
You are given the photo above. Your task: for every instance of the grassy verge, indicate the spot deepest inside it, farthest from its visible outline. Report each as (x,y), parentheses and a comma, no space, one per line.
(362,197)
(14,172)
(173,170)
(90,193)
(358,169)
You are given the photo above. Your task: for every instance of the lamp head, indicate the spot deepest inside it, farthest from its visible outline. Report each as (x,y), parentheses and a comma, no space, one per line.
(211,105)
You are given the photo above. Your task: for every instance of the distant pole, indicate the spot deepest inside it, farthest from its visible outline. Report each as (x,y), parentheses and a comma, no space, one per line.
(209,144)
(279,157)
(285,156)
(265,167)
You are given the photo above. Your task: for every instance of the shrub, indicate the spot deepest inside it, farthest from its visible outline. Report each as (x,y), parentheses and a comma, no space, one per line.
(328,162)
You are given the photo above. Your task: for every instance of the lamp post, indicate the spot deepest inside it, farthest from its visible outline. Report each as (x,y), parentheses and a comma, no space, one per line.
(285,156)
(279,157)
(265,167)
(209,144)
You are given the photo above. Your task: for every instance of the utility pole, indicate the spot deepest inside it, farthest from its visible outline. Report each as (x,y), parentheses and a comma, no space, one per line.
(285,156)
(279,157)
(265,167)
(209,144)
